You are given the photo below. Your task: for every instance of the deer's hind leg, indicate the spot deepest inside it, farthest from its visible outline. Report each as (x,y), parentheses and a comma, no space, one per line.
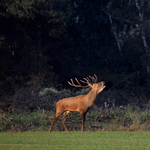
(54,120)
(58,113)
(64,118)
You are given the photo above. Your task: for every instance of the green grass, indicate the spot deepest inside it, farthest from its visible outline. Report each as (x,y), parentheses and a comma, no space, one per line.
(75,140)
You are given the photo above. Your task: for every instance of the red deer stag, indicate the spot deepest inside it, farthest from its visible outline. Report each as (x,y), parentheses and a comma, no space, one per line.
(81,103)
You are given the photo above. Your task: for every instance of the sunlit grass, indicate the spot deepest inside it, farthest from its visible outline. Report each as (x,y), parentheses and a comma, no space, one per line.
(75,140)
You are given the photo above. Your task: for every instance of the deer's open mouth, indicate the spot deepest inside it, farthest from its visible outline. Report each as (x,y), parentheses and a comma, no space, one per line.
(104,84)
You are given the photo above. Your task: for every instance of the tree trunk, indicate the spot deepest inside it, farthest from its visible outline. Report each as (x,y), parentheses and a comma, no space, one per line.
(143,36)
(114,32)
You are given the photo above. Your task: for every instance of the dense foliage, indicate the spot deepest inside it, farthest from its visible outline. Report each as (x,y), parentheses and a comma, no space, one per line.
(44,43)
(98,119)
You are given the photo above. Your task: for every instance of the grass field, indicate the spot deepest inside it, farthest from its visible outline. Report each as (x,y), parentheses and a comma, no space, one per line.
(75,140)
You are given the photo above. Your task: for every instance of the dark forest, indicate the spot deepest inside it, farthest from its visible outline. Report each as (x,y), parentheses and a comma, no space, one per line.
(45,43)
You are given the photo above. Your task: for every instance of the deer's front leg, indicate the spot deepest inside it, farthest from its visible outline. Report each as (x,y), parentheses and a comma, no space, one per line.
(83,120)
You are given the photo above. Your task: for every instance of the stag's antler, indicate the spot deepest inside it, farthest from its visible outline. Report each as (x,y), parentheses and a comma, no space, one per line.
(87,81)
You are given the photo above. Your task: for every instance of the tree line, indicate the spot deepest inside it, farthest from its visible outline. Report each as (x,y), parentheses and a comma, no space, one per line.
(61,39)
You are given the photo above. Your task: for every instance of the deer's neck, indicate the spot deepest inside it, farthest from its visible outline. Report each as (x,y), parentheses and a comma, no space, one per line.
(91,97)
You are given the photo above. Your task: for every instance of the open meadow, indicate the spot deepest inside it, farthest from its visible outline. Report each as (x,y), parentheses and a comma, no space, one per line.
(75,140)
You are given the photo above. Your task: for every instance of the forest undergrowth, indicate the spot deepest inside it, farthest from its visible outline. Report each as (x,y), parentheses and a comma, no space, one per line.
(29,110)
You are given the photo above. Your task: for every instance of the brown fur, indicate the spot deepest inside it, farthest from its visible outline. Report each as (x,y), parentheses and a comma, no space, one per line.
(80,104)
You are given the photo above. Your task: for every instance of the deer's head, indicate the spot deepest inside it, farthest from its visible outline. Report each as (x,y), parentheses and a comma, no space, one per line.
(98,87)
